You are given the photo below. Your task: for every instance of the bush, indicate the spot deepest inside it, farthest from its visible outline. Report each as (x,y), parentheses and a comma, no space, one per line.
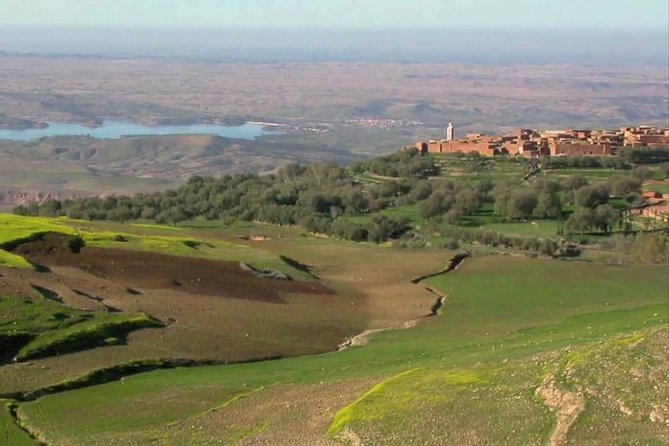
(76,243)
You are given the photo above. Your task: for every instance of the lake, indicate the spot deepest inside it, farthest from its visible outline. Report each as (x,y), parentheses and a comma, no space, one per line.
(117,129)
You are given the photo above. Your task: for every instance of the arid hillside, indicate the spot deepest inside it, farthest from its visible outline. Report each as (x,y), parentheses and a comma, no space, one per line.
(63,167)
(333,111)
(477,96)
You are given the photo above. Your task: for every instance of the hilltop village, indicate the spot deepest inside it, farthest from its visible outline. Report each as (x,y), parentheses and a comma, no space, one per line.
(532,143)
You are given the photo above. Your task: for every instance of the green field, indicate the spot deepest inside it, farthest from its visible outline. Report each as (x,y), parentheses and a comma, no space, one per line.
(595,174)
(662,188)
(12,260)
(49,328)
(475,169)
(514,333)
(481,359)
(10,433)
(535,228)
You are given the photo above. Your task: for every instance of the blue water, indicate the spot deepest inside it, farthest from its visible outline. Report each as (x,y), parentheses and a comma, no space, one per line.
(117,129)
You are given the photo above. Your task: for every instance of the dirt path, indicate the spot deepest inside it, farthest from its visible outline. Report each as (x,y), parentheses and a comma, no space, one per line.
(350,437)
(568,406)
(363,338)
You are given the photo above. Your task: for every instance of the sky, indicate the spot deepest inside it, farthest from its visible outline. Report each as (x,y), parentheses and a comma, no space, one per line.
(338,14)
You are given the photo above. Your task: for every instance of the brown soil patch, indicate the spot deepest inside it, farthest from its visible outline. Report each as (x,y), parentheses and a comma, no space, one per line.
(568,406)
(147,270)
(294,414)
(201,322)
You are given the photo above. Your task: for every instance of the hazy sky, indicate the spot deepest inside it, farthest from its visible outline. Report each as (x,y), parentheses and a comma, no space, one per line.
(339,14)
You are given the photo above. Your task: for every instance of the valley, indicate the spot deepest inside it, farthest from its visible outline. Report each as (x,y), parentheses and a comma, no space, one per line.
(255,251)
(234,331)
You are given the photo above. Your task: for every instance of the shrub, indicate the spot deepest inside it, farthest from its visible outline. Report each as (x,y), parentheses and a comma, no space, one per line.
(76,243)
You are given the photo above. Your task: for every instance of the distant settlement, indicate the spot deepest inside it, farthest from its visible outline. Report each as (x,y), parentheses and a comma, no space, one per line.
(533,144)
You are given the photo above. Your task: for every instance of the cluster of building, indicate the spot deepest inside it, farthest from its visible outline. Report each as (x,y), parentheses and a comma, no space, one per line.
(381,123)
(532,143)
(656,204)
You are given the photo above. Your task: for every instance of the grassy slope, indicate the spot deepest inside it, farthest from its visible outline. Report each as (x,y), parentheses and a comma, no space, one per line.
(58,329)
(10,434)
(498,403)
(145,237)
(13,227)
(12,260)
(503,336)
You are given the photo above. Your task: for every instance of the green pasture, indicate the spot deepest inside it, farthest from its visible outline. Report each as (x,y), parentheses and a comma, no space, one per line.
(507,323)
(12,260)
(10,433)
(498,402)
(594,175)
(13,227)
(474,169)
(43,327)
(532,228)
(662,188)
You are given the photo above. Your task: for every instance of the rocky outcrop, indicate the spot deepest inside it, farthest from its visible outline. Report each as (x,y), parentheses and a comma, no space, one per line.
(266,273)
(16,197)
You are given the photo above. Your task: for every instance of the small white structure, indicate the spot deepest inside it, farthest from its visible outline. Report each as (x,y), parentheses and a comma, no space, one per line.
(450,132)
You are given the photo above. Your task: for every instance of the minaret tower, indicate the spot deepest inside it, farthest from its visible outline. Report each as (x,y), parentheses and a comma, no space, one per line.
(450,132)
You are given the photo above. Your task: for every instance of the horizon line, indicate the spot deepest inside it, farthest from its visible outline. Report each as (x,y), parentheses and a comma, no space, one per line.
(330,29)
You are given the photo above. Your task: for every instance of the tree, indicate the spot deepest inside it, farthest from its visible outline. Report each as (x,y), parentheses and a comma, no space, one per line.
(548,205)
(437,204)
(348,230)
(175,215)
(50,208)
(580,221)
(521,204)
(651,248)
(502,197)
(544,185)
(605,217)
(421,190)
(121,214)
(592,196)
(382,228)
(642,173)
(290,172)
(574,182)
(623,185)
(356,203)
(148,213)
(549,247)
(453,216)
(467,200)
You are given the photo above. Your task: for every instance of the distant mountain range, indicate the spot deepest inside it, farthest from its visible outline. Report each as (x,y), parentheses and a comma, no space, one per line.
(412,44)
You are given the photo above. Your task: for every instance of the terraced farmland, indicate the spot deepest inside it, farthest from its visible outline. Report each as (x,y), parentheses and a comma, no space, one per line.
(524,351)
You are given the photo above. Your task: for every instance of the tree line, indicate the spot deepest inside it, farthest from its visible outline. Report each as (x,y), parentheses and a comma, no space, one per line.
(322,197)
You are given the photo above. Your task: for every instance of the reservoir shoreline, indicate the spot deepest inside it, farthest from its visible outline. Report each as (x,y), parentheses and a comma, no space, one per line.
(114,129)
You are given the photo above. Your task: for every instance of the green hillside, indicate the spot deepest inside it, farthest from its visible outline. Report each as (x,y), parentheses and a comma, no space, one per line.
(511,329)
